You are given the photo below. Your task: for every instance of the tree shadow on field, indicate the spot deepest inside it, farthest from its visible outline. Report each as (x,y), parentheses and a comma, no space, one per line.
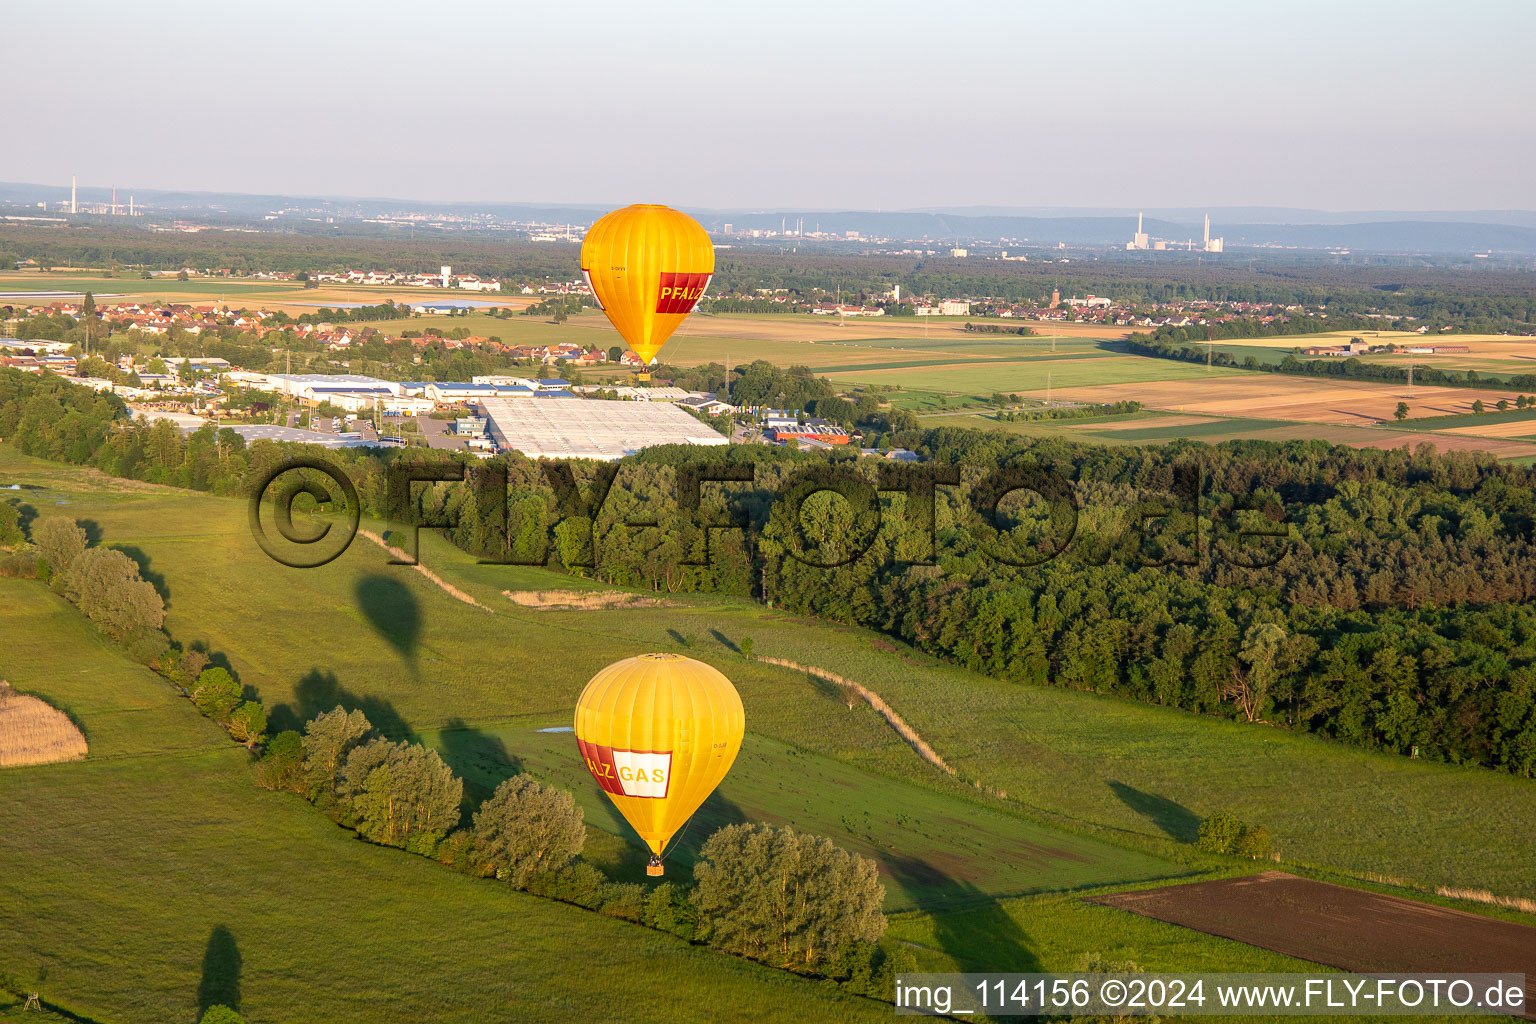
(481,759)
(220,985)
(321,691)
(1177,821)
(969,925)
(26,515)
(154,579)
(393,612)
(680,639)
(724,641)
(93,531)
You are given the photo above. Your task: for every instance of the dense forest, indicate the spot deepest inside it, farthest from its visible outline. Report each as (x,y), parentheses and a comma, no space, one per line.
(1378,597)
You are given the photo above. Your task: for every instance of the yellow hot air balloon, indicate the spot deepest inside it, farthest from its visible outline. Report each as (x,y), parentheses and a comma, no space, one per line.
(658,733)
(648,267)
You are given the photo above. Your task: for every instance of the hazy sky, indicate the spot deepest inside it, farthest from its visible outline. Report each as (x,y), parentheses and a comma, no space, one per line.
(1343,104)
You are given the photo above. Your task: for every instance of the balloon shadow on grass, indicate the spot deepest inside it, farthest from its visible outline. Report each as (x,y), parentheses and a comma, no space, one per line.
(220,984)
(1177,821)
(970,926)
(393,612)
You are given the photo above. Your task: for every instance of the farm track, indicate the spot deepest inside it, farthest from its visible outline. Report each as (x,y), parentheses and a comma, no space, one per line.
(447,588)
(874,700)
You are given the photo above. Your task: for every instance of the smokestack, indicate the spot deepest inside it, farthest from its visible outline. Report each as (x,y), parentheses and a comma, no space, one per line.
(130,204)
(1207,231)
(114,200)
(71,193)
(1138,223)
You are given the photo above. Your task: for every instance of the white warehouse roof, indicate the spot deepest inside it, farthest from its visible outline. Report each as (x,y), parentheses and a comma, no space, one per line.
(590,429)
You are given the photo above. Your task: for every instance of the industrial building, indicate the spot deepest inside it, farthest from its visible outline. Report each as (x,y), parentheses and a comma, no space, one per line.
(590,429)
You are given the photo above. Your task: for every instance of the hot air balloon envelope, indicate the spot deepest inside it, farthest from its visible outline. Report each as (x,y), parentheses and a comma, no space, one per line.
(658,732)
(647,266)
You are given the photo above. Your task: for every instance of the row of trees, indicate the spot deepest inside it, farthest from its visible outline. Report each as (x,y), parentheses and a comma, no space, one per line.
(1352,367)
(1070,412)
(106,585)
(793,900)
(103,582)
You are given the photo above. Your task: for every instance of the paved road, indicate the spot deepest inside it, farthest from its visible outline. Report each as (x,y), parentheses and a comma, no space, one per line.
(437,434)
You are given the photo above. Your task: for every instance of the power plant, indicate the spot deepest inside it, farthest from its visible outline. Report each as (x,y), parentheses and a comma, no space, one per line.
(112,208)
(1141,241)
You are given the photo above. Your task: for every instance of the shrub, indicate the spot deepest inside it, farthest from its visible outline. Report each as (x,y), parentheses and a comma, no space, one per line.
(19,565)
(59,542)
(218,1014)
(282,762)
(216,693)
(188,666)
(147,646)
(1254,843)
(248,722)
(775,894)
(1226,833)
(457,851)
(667,909)
(581,884)
(1219,832)
(10,523)
(623,899)
(527,829)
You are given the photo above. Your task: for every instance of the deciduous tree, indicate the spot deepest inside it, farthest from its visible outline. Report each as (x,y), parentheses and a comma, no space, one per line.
(778,895)
(526,829)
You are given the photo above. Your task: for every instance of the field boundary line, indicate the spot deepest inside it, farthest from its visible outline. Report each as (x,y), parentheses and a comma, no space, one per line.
(904,730)
(447,588)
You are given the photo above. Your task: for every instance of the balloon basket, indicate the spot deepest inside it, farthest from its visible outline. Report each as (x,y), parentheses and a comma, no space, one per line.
(653,869)
(643,375)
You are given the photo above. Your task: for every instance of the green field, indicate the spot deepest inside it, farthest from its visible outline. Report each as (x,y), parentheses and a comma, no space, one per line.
(1033,375)
(1055,752)
(1210,428)
(914,832)
(1078,791)
(156,869)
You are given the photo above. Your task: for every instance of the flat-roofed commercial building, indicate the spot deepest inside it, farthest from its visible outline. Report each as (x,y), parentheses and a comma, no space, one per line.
(576,429)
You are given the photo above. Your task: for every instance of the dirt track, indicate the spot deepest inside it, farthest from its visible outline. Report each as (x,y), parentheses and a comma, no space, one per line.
(1352,929)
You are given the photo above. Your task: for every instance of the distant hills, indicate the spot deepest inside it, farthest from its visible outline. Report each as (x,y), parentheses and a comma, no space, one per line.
(1388,231)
